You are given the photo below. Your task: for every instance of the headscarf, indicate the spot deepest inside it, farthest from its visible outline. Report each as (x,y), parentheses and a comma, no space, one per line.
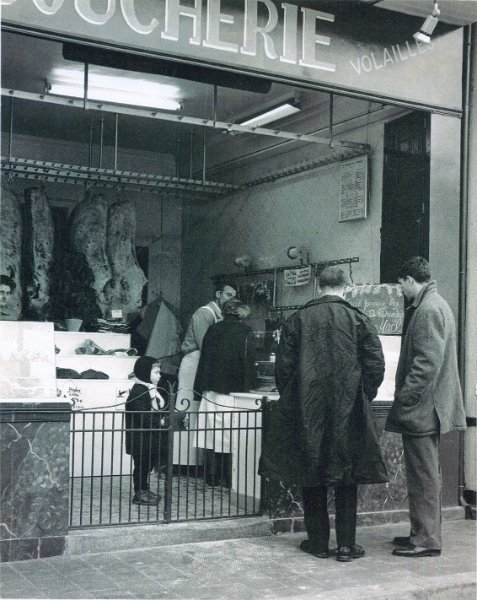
(143,368)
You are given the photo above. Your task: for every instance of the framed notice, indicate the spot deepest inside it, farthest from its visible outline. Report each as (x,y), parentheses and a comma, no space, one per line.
(354,189)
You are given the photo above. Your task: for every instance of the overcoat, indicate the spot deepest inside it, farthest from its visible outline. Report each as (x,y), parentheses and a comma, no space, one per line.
(226,365)
(143,435)
(227,358)
(329,366)
(428,398)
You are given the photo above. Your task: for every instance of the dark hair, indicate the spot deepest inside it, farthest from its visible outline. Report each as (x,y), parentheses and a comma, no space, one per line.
(416,267)
(219,285)
(333,277)
(6,280)
(236,308)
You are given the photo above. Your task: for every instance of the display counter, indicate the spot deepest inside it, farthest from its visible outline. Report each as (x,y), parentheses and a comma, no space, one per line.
(95,382)
(246,444)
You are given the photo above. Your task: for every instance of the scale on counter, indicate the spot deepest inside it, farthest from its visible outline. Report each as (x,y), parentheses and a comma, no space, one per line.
(265,376)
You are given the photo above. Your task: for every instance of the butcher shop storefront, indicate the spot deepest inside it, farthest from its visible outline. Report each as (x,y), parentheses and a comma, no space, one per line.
(151,150)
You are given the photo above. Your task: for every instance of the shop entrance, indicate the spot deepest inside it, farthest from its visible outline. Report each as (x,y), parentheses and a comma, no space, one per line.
(406,177)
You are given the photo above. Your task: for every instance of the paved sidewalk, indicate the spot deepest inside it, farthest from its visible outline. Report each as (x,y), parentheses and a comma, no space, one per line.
(259,568)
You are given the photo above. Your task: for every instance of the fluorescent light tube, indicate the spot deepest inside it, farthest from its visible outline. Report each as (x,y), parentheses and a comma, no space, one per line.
(115,96)
(114,89)
(279,112)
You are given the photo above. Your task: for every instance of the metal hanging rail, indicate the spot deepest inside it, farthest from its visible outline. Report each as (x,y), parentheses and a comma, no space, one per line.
(254,273)
(307,166)
(65,173)
(163,116)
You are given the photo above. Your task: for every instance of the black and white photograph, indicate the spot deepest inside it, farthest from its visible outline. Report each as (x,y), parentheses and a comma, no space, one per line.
(238,266)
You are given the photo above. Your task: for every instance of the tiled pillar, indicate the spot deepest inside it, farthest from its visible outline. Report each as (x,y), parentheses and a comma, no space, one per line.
(34,455)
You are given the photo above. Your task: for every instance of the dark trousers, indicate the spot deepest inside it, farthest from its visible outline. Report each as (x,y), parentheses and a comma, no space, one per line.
(424,489)
(317,522)
(218,468)
(142,467)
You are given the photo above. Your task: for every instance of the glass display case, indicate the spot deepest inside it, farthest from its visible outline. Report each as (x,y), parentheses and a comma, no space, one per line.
(261,351)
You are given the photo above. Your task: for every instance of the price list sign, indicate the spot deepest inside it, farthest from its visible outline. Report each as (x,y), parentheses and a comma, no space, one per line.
(354,189)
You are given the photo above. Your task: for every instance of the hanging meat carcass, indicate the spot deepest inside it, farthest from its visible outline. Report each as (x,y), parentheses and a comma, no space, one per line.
(88,236)
(124,290)
(38,241)
(11,233)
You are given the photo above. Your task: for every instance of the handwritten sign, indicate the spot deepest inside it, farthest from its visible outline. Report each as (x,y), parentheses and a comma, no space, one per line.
(354,189)
(294,277)
(72,393)
(383,303)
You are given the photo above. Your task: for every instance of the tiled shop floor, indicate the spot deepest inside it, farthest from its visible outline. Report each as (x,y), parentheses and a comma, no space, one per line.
(108,500)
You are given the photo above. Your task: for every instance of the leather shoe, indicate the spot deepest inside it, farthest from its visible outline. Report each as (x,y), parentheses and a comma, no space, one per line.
(404,540)
(154,496)
(347,554)
(223,483)
(307,546)
(145,497)
(412,551)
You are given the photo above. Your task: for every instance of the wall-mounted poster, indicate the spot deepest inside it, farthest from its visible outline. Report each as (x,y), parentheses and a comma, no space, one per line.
(354,189)
(295,277)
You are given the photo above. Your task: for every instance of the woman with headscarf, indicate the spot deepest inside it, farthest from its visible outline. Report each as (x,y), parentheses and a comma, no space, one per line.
(226,365)
(143,426)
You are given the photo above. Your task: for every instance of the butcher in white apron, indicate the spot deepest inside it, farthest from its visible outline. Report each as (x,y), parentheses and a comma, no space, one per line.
(201,320)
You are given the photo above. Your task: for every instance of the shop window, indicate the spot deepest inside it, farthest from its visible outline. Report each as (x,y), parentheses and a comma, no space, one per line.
(406,179)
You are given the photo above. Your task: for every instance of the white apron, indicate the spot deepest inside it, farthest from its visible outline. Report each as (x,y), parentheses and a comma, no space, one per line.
(185,402)
(214,427)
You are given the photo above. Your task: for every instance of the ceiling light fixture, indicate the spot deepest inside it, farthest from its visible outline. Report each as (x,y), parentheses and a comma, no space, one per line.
(284,109)
(132,91)
(424,34)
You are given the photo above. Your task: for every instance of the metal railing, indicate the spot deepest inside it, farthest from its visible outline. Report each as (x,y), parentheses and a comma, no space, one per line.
(146,467)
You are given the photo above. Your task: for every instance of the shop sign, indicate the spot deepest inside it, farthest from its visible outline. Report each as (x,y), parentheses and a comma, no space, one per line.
(338,44)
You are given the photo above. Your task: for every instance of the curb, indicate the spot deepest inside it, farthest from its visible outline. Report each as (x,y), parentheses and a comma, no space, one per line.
(127,537)
(448,587)
(113,539)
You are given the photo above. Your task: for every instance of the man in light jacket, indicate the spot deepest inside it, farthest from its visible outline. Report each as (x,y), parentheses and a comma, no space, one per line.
(427,403)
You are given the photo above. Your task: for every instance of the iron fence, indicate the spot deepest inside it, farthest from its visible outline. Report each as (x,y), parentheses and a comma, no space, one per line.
(157,466)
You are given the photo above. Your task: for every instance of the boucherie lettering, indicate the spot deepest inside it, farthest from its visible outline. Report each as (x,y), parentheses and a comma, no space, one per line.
(283,32)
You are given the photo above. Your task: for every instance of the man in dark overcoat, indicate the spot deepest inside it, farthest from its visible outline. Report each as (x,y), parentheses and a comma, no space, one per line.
(329,366)
(427,403)
(226,365)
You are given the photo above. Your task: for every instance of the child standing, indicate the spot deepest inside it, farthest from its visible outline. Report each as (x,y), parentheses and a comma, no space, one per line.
(143,426)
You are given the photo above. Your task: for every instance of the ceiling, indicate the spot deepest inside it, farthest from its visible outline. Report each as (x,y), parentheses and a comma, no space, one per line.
(19,72)
(199,100)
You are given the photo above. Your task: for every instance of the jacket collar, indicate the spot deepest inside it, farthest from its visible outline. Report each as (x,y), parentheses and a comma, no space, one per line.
(431,286)
(325,299)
